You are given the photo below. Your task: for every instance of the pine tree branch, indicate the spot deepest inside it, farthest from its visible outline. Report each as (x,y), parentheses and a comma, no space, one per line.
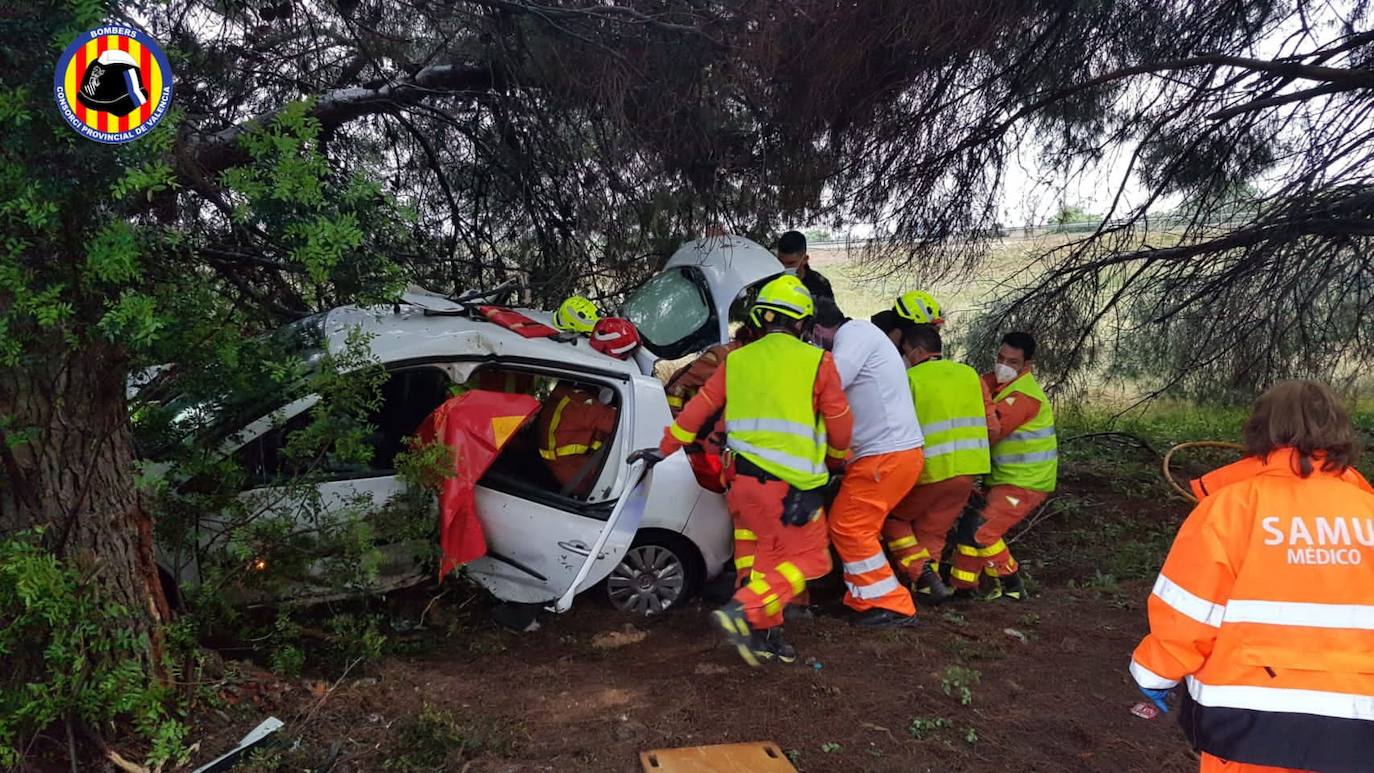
(216,151)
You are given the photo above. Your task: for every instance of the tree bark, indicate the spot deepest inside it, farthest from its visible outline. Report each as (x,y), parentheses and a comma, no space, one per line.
(68,466)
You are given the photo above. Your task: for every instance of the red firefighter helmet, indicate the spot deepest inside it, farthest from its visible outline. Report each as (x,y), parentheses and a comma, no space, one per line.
(615,336)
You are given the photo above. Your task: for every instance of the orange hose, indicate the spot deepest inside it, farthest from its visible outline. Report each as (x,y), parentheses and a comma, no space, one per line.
(1169,476)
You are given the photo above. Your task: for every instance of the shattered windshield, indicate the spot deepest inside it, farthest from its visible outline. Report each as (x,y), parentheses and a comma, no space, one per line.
(673,313)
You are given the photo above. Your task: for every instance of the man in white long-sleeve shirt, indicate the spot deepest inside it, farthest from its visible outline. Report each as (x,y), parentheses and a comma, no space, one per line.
(887,460)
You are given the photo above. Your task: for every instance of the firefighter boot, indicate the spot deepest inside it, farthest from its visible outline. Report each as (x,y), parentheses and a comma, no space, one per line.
(932,589)
(732,622)
(770,646)
(1013,588)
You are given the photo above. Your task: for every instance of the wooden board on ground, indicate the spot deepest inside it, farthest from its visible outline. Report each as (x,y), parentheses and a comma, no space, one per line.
(757,757)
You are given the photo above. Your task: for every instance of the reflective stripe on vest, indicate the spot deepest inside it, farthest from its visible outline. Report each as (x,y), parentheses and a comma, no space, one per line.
(1029,456)
(949,405)
(551,449)
(770,415)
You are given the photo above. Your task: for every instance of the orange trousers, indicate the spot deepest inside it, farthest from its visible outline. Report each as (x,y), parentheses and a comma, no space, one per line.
(872,486)
(786,556)
(746,549)
(1212,764)
(916,530)
(1006,507)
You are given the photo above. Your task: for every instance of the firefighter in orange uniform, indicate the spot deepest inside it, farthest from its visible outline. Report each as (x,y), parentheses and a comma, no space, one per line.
(682,386)
(957,417)
(1025,468)
(1265,605)
(575,423)
(788,422)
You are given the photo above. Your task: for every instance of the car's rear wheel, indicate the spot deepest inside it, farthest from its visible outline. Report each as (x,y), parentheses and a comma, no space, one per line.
(658,572)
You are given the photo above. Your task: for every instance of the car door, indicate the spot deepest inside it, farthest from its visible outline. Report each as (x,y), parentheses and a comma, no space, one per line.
(538,539)
(407,396)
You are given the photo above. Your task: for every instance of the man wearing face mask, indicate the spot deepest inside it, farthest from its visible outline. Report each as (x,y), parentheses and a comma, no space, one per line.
(886,462)
(1025,467)
(795,261)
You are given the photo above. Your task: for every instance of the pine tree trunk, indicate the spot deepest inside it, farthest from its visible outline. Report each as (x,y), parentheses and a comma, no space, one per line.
(67,456)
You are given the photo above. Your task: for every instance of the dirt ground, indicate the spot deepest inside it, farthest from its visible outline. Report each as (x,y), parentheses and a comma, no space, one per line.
(588,692)
(1044,681)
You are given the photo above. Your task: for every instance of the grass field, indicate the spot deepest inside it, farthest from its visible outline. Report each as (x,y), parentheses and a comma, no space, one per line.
(862,289)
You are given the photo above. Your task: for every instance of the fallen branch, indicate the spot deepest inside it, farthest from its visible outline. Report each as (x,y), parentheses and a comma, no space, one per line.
(323,698)
(126,766)
(1135,440)
(1038,516)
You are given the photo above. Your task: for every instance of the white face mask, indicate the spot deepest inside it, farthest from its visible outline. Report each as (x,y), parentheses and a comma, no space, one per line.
(821,337)
(1003,372)
(790,271)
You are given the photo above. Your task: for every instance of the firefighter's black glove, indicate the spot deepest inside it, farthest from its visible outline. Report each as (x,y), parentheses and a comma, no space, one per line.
(650,457)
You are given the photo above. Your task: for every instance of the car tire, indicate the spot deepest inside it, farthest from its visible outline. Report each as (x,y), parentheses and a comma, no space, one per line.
(659,572)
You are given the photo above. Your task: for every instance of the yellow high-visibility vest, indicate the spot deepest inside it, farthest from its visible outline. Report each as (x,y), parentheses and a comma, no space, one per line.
(1028,457)
(770,415)
(949,405)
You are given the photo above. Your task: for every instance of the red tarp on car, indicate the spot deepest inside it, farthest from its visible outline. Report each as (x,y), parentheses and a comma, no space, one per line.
(476,425)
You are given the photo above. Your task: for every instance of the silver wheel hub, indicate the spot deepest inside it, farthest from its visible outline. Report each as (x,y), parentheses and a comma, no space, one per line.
(649,580)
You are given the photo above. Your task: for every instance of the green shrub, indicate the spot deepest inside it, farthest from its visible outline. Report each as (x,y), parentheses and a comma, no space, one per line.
(70,657)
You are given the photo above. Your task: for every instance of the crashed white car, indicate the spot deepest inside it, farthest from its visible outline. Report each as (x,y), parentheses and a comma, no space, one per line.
(540,538)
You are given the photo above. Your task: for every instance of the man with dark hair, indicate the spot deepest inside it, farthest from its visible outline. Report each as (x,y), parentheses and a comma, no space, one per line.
(792,254)
(885,464)
(890,322)
(956,418)
(1025,466)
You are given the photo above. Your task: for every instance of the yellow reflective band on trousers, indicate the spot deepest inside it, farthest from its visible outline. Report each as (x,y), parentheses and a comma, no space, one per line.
(794,576)
(675,402)
(551,449)
(744,562)
(771,605)
(960,574)
(1028,457)
(770,415)
(993,549)
(745,535)
(914,557)
(949,405)
(967,550)
(901,542)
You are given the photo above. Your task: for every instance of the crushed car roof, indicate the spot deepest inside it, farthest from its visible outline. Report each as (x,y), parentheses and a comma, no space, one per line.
(405,332)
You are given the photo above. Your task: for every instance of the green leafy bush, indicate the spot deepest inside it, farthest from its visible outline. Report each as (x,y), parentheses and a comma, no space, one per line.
(70,657)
